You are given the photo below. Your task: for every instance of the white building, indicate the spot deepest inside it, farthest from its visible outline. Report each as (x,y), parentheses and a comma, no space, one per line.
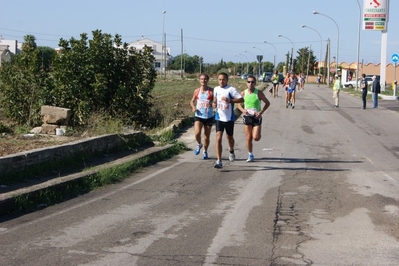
(7,49)
(161,58)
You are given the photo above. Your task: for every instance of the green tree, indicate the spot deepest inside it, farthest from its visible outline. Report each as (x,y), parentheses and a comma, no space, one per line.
(280,67)
(103,75)
(268,66)
(304,60)
(25,81)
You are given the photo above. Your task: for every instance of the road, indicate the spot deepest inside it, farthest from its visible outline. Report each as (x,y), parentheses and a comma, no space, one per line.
(323,190)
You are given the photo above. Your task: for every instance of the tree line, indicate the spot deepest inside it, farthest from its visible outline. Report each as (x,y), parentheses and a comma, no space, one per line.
(194,64)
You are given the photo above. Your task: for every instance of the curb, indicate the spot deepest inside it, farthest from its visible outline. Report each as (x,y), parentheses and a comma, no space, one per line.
(8,200)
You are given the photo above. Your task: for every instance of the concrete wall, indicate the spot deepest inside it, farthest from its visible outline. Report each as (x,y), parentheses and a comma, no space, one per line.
(17,164)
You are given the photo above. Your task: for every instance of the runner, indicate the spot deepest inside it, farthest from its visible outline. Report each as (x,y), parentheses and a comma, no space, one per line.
(293,82)
(225,98)
(275,80)
(252,113)
(203,96)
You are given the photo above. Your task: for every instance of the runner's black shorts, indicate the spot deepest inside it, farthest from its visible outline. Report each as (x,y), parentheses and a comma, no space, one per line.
(228,126)
(251,121)
(205,121)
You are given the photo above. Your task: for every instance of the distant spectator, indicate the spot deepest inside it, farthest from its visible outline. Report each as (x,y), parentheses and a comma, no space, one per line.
(318,80)
(363,87)
(375,89)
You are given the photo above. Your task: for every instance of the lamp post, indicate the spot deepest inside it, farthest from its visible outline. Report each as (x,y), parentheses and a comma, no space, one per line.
(336,62)
(292,50)
(163,45)
(250,53)
(321,43)
(275,49)
(240,64)
(184,61)
(358,43)
(247,61)
(260,61)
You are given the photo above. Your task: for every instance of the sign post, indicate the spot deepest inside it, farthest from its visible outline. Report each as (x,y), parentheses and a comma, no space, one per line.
(259,57)
(395,59)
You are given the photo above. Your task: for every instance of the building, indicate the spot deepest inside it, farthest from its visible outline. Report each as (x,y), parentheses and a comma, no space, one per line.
(347,71)
(7,49)
(161,58)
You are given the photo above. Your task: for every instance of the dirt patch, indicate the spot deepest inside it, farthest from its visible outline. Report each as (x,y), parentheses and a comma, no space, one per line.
(11,144)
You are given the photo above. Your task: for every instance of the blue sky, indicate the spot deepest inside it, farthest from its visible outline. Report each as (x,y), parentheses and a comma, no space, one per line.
(214,30)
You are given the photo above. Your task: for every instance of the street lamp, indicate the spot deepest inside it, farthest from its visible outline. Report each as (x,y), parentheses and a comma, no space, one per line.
(184,61)
(250,53)
(358,43)
(240,63)
(321,43)
(247,60)
(163,45)
(260,61)
(292,49)
(336,62)
(275,49)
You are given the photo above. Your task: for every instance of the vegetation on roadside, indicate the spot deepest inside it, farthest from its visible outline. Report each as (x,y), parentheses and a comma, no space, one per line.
(101,75)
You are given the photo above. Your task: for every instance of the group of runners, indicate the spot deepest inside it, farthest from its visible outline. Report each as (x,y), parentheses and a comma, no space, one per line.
(291,84)
(218,105)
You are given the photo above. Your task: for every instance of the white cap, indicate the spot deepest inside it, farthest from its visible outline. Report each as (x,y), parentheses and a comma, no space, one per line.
(374,77)
(336,76)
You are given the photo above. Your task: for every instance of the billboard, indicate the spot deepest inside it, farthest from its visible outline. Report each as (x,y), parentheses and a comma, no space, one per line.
(375,15)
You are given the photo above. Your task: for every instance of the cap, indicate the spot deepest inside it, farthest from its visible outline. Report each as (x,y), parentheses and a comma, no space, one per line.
(336,76)
(374,77)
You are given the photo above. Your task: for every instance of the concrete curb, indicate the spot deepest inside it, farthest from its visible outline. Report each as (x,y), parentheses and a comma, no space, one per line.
(8,200)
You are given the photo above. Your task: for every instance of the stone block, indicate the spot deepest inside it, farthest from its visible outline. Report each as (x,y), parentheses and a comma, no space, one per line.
(49,129)
(55,115)
(36,130)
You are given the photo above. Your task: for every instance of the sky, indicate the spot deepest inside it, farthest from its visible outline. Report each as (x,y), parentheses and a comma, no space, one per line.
(214,30)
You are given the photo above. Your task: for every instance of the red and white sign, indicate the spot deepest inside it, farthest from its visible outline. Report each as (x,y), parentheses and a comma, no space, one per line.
(375,14)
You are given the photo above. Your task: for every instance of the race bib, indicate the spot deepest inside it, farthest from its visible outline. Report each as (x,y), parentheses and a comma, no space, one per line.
(223,106)
(251,111)
(202,104)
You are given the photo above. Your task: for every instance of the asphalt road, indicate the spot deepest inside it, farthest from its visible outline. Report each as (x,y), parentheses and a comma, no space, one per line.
(323,190)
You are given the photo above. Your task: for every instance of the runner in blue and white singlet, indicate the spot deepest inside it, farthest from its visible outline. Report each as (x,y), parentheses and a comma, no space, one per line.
(225,96)
(201,104)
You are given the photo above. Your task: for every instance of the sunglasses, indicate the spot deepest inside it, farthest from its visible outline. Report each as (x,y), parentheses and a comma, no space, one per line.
(250,81)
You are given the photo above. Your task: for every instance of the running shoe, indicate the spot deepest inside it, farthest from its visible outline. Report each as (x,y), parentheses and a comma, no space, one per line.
(250,158)
(198,149)
(232,157)
(293,106)
(205,155)
(218,164)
